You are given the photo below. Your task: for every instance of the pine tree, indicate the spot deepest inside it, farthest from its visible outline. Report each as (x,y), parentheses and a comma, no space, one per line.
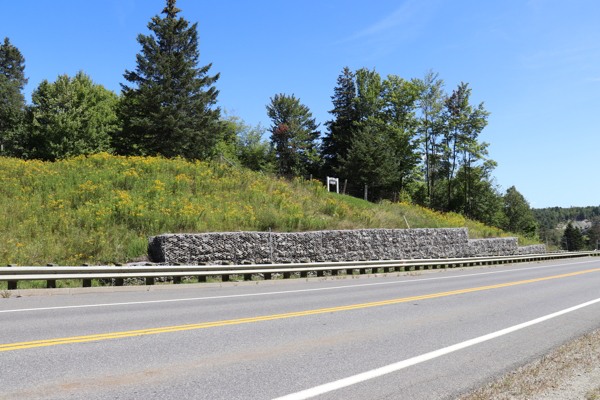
(294,136)
(337,140)
(12,106)
(168,109)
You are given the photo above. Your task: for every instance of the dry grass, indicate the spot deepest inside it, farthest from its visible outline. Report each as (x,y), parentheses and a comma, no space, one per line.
(593,394)
(548,373)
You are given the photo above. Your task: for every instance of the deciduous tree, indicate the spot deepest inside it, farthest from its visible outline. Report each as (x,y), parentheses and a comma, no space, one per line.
(431,129)
(518,216)
(70,117)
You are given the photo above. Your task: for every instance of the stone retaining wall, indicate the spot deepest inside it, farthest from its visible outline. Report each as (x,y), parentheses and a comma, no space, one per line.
(362,244)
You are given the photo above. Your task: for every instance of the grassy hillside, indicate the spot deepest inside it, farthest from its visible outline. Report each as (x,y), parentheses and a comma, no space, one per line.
(101,209)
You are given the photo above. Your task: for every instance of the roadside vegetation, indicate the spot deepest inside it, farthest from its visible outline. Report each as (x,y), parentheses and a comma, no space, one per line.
(101,209)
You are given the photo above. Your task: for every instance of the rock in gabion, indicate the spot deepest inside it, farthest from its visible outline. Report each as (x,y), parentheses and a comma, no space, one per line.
(337,245)
(532,249)
(493,247)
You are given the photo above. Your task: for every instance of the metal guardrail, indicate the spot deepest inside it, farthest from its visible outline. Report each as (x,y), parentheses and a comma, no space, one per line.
(53,273)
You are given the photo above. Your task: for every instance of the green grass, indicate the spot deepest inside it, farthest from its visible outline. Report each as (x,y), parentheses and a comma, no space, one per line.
(101,209)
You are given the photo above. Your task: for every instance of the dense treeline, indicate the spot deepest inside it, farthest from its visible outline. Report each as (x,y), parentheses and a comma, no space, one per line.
(390,138)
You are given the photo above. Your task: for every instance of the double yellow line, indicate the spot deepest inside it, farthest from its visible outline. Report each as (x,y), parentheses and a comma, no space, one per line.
(152,331)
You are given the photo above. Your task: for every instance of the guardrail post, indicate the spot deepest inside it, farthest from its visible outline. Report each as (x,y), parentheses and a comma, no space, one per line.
(303,274)
(176,279)
(247,277)
(362,271)
(287,275)
(225,278)
(118,281)
(51,283)
(267,275)
(320,273)
(86,282)
(202,278)
(335,272)
(149,281)
(12,285)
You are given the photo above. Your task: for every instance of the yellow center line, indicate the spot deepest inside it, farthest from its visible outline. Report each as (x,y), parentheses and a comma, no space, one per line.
(151,331)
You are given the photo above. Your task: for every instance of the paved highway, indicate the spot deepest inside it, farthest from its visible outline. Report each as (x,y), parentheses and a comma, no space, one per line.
(428,335)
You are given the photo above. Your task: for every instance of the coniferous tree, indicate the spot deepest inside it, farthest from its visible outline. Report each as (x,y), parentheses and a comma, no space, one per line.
(12,106)
(338,137)
(169,109)
(572,239)
(369,161)
(294,136)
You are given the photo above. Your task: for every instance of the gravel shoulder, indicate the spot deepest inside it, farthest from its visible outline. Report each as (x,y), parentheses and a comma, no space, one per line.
(569,372)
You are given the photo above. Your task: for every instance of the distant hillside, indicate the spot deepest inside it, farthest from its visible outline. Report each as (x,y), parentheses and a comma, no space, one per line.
(581,225)
(101,209)
(557,217)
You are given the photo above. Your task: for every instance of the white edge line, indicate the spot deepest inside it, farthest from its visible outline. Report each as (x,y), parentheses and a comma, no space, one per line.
(282,292)
(328,387)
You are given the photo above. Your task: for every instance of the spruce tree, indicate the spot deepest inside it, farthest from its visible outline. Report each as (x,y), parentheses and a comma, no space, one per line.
(338,138)
(169,108)
(572,239)
(12,106)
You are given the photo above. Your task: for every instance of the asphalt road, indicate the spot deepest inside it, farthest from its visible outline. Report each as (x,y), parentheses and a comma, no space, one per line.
(268,341)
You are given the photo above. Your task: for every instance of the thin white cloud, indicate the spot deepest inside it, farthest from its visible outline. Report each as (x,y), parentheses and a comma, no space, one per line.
(123,9)
(405,22)
(565,55)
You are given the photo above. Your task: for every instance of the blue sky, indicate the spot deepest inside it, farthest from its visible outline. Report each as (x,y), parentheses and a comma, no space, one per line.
(535,64)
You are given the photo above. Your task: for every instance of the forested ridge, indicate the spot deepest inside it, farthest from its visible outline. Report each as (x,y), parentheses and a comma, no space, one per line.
(551,217)
(389,138)
(573,228)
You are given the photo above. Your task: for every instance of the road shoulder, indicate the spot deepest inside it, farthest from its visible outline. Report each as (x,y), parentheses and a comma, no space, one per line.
(571,371)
